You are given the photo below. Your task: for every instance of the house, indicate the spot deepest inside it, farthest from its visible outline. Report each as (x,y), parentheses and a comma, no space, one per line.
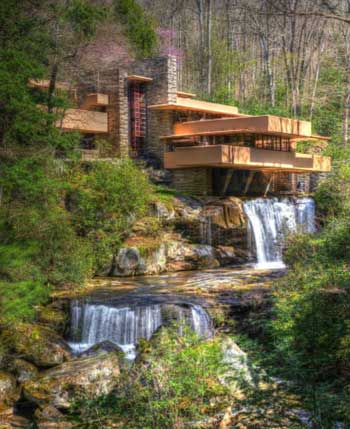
(210,148)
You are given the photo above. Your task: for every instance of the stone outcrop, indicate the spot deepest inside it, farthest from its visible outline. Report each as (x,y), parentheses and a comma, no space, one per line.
(215,222)
(53,317)
(48,417)
(89,377)
(23,370)
(9,393)
(208,234)
(102,348)
(38,344)
(238,371)
(172,254)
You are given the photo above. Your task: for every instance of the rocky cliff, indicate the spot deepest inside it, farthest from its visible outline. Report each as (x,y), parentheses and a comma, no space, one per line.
(192,234)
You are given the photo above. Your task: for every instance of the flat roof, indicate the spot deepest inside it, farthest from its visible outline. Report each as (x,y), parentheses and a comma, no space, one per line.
(185,94)
(312,137)
(185,103)
(138,78)
(226,156)
(264,124)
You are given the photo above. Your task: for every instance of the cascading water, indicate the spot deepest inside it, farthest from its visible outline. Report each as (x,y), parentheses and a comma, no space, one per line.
(271,219)
(94,323)
(206,230)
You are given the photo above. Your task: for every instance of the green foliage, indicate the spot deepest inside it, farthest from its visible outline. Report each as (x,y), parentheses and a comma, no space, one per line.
(311,332)
(18,299)
(83,17)
(21,281)
(138,26)
(45,240)
(104,201)
(332,195)
(178,385)
(311,328)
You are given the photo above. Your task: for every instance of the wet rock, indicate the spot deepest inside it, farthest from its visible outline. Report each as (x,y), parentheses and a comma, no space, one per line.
(187,208)
(132,261)
(23,370)
(52,317)
(205,256)
(37,344)
(180,256)
(9,392)
(102,348)
(89,376)
(215,222)
(162,211)
(229,255)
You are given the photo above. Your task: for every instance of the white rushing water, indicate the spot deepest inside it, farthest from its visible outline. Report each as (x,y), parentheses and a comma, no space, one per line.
(94,323)
(270,220)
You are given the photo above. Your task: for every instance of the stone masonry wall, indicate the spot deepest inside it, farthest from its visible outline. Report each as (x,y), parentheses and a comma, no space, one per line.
(112,81)
(123,114)
(194,181)
(161,90)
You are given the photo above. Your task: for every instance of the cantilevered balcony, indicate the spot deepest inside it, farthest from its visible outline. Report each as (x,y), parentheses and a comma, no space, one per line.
(265,124)
(95,100)
(228,156)
(84,121)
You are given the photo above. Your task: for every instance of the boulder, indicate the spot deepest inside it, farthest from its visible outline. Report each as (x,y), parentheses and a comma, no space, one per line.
(218,221)
(228,255)
(4,355)
(162,211)
(37,344)
(8,420)
(238,371)
(88,376)
(52,317)
(205,256)
(48,417)
(101,348)
(187,208)
(140,260)
(180,255)
(9,392)
(23,370)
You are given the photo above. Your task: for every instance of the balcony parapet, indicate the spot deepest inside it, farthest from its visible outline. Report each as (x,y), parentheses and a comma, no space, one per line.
(227,156)
(85,121)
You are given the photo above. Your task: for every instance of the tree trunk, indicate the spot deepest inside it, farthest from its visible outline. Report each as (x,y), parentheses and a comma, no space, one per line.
(52,87)
(346,107)
(209,47)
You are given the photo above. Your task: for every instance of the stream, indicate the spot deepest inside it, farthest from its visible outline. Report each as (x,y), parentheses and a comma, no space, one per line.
(122,311)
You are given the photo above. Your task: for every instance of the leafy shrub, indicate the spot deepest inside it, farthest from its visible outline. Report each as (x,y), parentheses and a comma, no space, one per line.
(177,383)
(138,26)
(104,202)
(332,194)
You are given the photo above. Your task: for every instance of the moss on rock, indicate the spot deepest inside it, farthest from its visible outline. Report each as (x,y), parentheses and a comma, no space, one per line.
(85,377)
(38,344)
(52,317)
(9,393)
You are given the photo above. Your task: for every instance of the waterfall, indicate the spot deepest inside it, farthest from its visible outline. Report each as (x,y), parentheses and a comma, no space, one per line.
(271,219)
(200,321)
(206,230)
(94,323)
